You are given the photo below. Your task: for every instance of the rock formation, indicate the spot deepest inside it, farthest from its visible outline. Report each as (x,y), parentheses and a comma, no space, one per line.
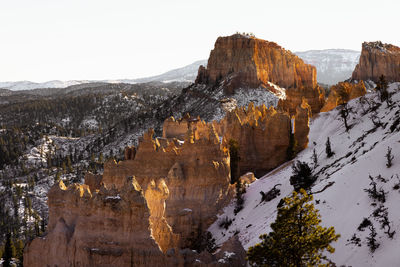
(353,90)
(260,133)
(244,61)
(378,59)
(105,227)
(141,208)
(263,135)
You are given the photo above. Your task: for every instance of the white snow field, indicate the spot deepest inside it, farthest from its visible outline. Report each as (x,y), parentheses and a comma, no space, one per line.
(344,203)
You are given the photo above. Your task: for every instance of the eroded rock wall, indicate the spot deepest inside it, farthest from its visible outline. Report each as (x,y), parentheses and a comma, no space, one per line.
(378,59)
(108,227)
(243,61)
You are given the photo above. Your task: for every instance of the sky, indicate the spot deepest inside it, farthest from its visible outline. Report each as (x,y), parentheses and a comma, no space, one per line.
(44,40)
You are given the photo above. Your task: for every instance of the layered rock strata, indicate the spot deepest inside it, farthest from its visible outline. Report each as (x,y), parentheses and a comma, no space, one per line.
(378,59)
(243,61)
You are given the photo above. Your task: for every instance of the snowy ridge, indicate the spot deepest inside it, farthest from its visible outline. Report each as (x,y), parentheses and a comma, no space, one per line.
(333,65)
(343,203)
(185,74)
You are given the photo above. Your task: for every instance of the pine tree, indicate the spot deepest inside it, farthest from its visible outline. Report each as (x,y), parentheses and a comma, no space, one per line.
(372,243)
(240,191)
(314,158)
(389,157)
(9,251)
(381,87)
(344,96)
(328,149)
(302,176)
(235,158)
(296,239)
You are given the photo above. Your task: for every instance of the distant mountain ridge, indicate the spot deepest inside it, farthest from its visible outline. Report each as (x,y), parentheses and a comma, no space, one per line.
(333,65)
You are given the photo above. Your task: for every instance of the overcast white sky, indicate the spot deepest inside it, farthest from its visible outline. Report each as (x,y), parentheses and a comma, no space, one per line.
(43,40)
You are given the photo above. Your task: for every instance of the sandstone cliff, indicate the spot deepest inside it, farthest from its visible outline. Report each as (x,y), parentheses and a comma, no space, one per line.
(378,59)
(142,210)
(243,61)
(262,134)
(353,90)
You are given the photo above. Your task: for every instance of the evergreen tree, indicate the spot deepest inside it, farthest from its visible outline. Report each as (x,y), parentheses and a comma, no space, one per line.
(372,243)
(314,158)
(302,176)
(240,190)
(9,251)
(328,149)
(344,97)
(296,239)
(381,87)
(389,157)
(235,158)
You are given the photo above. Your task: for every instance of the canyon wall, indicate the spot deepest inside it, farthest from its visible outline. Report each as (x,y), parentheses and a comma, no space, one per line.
(262,134)
(378,59)
(141,211)
(248,62)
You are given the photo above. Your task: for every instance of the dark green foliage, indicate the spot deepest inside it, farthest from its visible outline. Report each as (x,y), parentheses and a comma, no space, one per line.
(302,176)
(240,191)
(328,149)
(235,158)
(202,241)
(9,251)
(389,157)
(296,239)
(381,87)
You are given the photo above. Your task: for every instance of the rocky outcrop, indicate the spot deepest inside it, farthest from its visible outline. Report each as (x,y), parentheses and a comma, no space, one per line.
(294,98)
(196,173)
(378,59)
(263,135)
(108,227)
(258,61)
(301,126)
(245,61)
(353,90)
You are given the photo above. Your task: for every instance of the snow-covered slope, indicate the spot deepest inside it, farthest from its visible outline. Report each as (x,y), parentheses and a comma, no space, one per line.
(333,65)
(344,204)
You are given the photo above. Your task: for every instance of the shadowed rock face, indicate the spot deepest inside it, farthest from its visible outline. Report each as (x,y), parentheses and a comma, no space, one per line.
(248,62)
(378,59)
